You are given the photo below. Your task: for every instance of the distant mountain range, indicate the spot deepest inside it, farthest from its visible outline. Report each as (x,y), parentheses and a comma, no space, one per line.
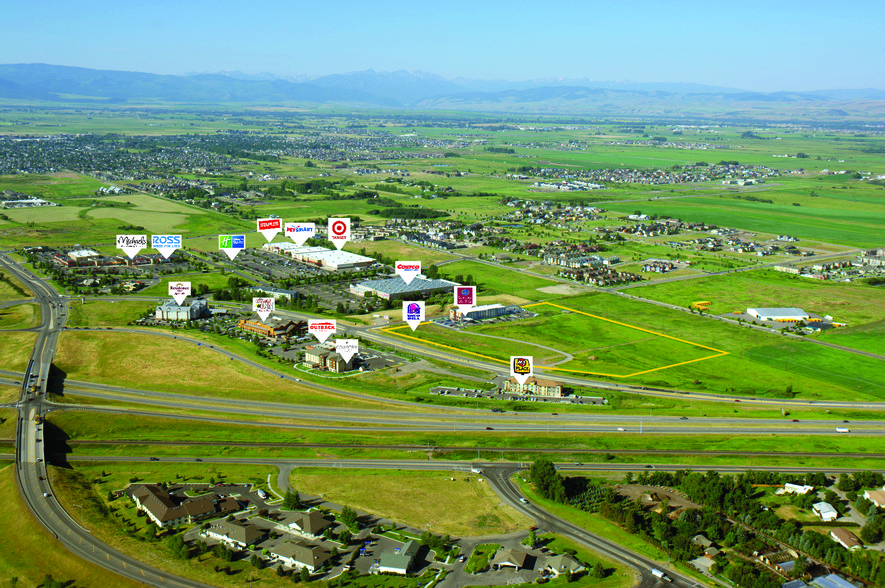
(401,89)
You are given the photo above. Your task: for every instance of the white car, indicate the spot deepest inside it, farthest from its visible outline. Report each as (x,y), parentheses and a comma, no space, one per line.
(523,500)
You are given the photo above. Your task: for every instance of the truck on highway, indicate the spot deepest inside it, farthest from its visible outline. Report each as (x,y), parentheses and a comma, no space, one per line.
(659,574)
(475,470)
(842,430)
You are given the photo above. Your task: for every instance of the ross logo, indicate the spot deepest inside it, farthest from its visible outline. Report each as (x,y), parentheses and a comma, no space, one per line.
(165,241)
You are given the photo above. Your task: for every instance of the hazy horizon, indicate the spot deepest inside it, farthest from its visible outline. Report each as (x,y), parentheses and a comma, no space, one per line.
(765,47)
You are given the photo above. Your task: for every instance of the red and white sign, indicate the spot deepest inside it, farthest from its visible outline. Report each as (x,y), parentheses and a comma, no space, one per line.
(321,328)
(522,367)
(269,227)
(300,232)
(407,270)
(263,306)
(465,297)
(339,231)
(179,291)
(347,348)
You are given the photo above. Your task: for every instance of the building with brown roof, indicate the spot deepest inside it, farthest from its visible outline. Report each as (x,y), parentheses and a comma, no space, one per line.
(301,555)
(166,510)
(310,524)
(845,538)
(273,327)
(534,386)
(236,533)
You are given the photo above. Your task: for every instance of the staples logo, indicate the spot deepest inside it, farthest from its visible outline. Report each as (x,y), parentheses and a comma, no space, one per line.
(269,223)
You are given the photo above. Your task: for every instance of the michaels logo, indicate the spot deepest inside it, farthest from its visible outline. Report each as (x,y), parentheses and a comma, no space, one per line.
(131,241)
(413,312)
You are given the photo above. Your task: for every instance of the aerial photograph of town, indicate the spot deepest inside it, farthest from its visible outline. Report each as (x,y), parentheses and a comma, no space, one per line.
(413,295)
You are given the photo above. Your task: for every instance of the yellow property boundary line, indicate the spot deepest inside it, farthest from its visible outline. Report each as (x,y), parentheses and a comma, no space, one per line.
(718,352)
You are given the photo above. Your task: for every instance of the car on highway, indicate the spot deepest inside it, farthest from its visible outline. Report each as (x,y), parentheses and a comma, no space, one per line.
(554,414)
(523,500)
(621,429)
(198,459)
(155,459)
(795,420)
(46,494)
(683,418)
(649,466)
(489,429)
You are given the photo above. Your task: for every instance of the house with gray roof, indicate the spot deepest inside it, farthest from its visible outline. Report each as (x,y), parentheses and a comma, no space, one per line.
(235,533)
(300,554)
(400,560)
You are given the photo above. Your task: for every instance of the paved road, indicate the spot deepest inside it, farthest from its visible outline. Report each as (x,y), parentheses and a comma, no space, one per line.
(30,467)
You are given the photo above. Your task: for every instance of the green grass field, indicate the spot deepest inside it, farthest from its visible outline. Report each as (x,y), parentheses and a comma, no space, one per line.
(499,280)
(21,316)
(94,313)
(816,361)
(214,280)
(462,507)
(869,337)
(852,303)
(28,552)
(600,346)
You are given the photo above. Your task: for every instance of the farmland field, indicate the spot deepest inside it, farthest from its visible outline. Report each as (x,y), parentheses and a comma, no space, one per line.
(853,303)
(497,280)
(587,343)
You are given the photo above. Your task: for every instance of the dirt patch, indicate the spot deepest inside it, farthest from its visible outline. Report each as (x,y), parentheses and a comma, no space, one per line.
(564,289)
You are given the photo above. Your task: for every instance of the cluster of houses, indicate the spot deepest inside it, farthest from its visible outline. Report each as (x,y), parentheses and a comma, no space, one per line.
(599,276)
(577,260)
(91,258)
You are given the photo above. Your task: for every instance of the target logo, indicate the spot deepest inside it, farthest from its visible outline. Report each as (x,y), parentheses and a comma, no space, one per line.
(339,231)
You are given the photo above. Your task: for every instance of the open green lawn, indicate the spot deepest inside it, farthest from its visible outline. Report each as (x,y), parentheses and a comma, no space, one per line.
(868,337)
(454,504)
(864,375)
(601,346)
(94,313)
(11,288)
(401,251)
(21,316)
(499,280)
(213,280)
(852,303)
(97,357)
(825,218)
(15,350)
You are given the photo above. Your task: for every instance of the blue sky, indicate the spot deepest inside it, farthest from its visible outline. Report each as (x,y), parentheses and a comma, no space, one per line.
(763,46)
